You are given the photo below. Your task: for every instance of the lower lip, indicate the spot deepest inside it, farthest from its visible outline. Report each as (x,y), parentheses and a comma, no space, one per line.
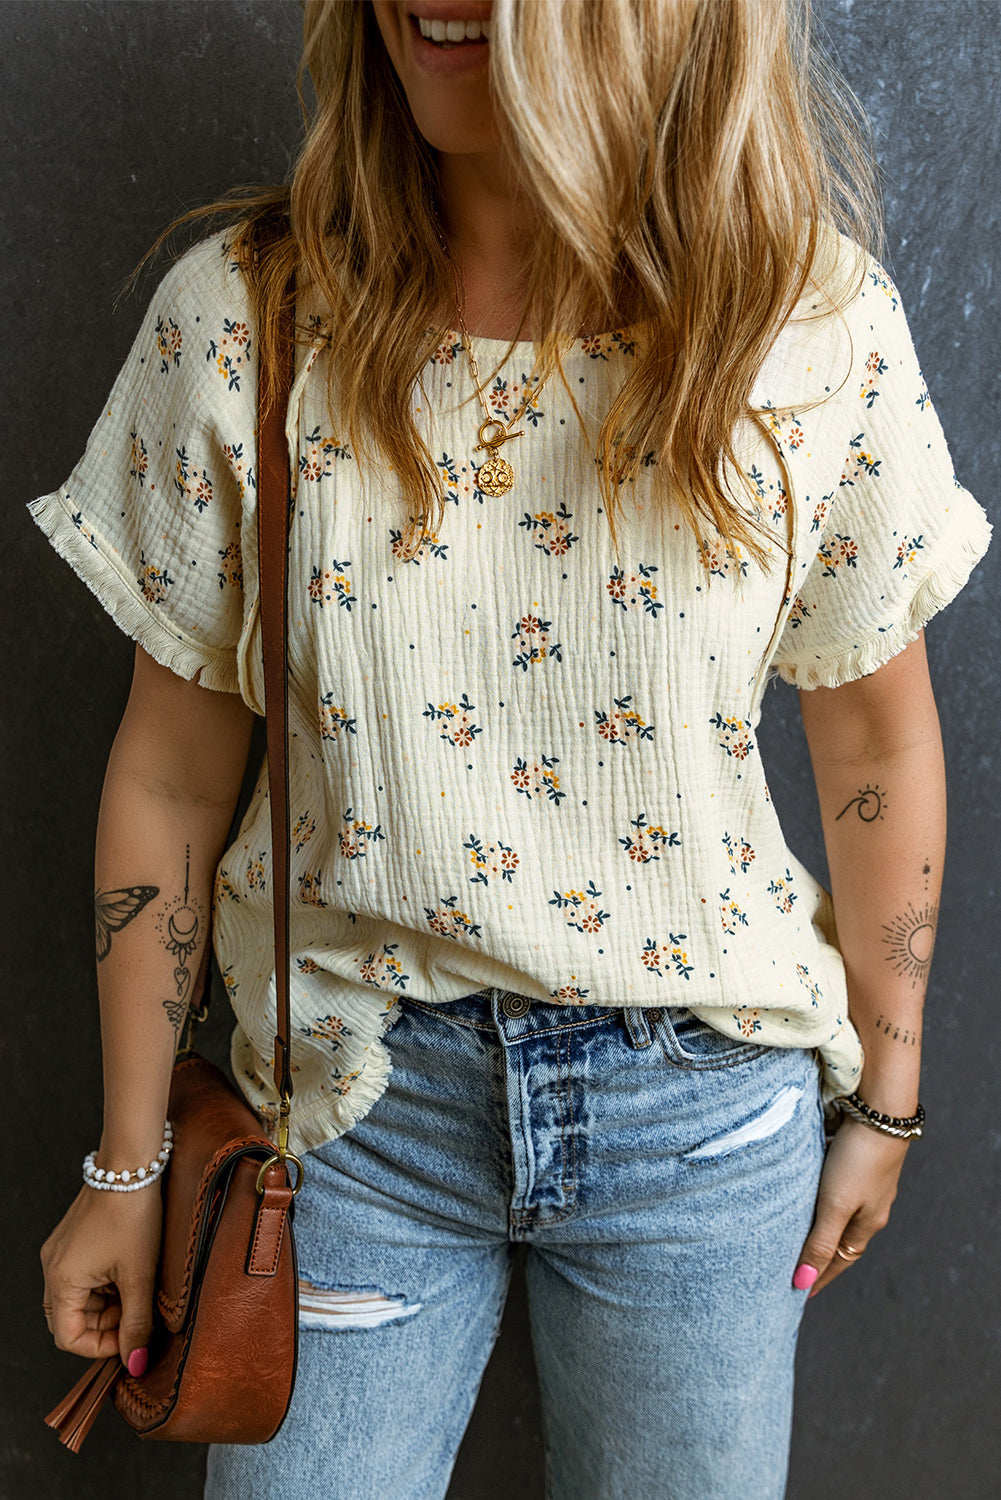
(466,57)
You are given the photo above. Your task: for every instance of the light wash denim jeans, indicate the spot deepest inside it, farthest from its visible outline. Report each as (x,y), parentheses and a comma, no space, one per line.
(663,1178)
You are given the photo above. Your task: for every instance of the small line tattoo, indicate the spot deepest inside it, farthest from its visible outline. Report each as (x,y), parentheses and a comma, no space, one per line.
(870,802)
(910,938)
(114,910)
(898,1033)
(180,926)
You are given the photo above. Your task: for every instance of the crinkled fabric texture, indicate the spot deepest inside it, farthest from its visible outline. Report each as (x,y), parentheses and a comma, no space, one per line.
(517,759)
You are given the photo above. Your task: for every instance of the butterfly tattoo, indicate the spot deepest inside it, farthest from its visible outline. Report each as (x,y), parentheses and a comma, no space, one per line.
(114,910)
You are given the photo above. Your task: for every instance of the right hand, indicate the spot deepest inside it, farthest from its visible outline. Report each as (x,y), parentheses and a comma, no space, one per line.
(105,1246)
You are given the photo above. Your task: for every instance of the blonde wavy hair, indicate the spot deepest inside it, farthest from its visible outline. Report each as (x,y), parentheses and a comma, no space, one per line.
(688,159)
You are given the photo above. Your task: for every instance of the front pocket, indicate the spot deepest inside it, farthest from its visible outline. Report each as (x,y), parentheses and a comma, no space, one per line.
(690,1042)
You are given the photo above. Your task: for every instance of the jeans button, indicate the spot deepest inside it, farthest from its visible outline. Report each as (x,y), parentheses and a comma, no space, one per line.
(654,1013)
(515,1005)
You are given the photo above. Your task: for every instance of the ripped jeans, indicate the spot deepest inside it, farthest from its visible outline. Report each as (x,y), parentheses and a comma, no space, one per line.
(663,1177)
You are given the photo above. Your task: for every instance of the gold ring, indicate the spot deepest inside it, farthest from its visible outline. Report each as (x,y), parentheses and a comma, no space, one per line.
(848,1252)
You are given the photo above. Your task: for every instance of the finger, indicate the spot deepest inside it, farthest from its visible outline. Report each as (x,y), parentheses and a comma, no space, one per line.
(136,1322)
(819,1262)
(80,1329)
(855,1237)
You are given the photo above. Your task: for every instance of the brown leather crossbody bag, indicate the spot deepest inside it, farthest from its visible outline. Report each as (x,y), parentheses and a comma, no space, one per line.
(224,1345)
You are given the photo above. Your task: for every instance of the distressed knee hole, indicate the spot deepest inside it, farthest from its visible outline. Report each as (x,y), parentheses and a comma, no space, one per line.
(778,1113)
(335,1308)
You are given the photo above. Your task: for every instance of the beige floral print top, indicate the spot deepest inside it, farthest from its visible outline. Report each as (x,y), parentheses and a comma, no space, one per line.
(516,759)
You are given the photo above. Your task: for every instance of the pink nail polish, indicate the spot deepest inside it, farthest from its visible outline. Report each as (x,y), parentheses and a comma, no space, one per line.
(805,1277)
(138,1360)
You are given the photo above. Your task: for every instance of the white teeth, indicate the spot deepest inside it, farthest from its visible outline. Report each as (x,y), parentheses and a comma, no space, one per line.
(454,31)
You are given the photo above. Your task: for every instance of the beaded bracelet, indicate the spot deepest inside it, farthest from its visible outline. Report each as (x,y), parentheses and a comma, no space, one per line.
(126,1181)
(903,1126)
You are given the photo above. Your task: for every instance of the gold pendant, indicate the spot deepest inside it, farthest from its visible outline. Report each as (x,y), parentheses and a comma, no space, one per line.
(495,476)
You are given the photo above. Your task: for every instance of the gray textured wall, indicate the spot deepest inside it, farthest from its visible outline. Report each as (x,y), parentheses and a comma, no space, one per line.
(116,116)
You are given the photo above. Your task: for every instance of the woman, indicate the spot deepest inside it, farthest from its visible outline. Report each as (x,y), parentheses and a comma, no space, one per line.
(542,862)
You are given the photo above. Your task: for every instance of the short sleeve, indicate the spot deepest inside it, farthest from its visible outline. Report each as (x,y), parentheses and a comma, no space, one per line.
(151,516)
(899,536)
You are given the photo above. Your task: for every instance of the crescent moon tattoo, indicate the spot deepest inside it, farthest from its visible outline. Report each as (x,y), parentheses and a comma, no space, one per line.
(181,929)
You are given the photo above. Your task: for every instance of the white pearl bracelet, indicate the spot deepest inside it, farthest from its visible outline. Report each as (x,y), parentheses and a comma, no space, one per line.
(126,1181)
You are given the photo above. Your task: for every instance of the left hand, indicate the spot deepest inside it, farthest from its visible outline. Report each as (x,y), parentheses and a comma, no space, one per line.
(857,1187)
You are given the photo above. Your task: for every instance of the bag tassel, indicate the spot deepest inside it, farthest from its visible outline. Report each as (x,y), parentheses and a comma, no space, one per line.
(75,1415)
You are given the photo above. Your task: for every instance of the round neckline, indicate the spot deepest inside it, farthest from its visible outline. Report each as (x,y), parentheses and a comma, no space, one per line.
(612,338)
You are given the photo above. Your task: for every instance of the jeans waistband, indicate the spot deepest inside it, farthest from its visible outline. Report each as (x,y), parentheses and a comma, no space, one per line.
(515,1015)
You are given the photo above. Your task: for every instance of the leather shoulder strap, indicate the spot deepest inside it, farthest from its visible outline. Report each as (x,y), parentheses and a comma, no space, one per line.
(274,503)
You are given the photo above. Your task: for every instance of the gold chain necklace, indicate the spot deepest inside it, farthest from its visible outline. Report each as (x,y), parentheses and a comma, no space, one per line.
(495,476)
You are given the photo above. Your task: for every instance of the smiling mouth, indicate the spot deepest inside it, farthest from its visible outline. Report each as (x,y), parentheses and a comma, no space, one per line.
(446,34)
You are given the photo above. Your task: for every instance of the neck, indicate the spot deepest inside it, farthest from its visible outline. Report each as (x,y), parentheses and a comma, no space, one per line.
(484,225)
(488,229)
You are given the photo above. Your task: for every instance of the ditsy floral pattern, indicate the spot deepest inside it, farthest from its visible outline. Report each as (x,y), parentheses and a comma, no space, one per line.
(667,958)
(582,908)
(783,893)
(192,482)
(383,969)
(622,724)
(838,552)
(153,581)
(230,572)
(734,735)
(739,853)
(169,342)
(334,721)
(535,643)
(231,352)
(722,561)
(550,530)
(875,366)
(449,921)
(331,585)
(907,551)
(595,817)
(357,837)
(635,591)
(860,463)
(732,914)
(490,862)
(138,457)
(538,779)
(458,726)
(319,456)
(648,841)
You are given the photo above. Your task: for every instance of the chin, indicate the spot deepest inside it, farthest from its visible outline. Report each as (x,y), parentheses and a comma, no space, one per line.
(448,96)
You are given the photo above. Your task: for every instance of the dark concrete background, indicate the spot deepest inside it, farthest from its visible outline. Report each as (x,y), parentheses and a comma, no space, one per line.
(116,117)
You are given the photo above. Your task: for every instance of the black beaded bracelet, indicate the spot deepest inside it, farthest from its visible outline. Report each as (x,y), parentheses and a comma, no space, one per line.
(902,1126)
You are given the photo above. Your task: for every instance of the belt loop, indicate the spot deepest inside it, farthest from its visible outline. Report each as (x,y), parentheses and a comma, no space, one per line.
(637,1025)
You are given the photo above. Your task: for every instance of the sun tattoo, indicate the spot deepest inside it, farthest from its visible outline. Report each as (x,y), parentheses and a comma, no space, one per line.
(180,926)
(870,802)
(910,938)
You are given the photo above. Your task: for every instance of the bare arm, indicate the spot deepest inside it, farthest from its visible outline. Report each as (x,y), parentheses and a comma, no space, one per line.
(171,786)
(173,778)
(877,759)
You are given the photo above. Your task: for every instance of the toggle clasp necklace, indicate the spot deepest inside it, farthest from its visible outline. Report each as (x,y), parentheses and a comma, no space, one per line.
(495,475)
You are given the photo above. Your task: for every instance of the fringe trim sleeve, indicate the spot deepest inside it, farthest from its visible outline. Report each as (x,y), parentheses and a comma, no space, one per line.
(103,571)
(957,555)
